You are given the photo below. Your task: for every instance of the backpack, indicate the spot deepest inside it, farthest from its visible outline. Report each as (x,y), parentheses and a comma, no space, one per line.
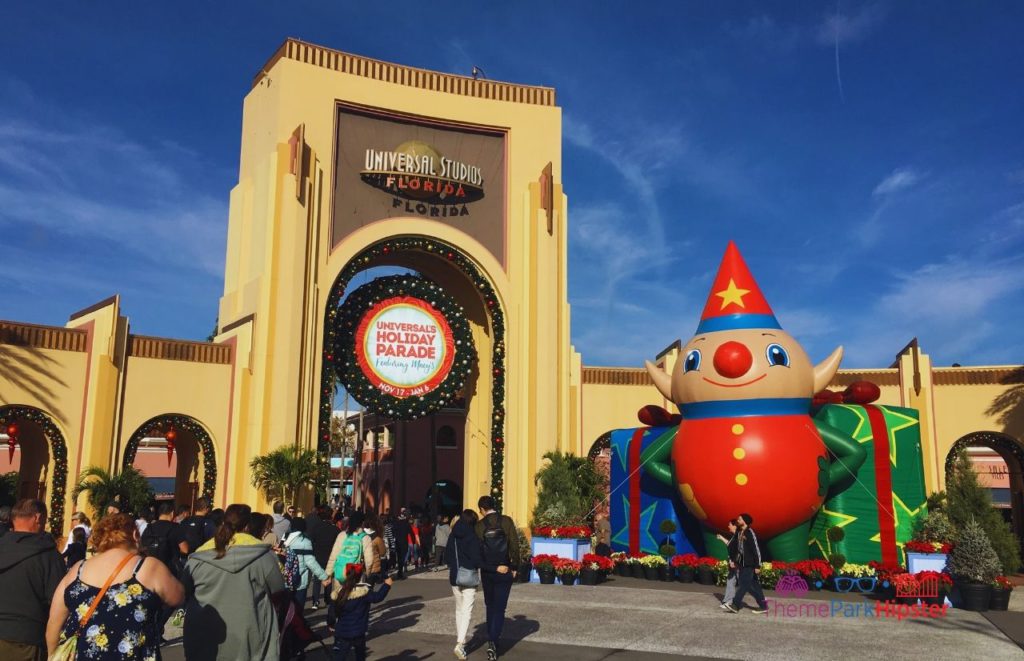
(156,543)
(198,529)
(495,542)
(351,554)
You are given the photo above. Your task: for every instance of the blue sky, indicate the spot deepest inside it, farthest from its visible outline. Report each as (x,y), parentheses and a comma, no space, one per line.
(868,158)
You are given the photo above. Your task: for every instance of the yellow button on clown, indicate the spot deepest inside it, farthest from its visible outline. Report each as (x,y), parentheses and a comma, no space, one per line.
(746,442)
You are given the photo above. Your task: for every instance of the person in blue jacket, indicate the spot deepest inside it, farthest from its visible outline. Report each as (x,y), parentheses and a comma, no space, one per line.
(302,546)
(352,603)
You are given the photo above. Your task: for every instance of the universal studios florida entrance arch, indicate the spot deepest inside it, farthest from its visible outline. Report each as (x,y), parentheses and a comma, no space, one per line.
(349,164)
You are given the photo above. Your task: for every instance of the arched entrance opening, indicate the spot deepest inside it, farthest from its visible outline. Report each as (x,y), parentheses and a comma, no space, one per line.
(998,459)
(38,465)
(188,471)
(475,414)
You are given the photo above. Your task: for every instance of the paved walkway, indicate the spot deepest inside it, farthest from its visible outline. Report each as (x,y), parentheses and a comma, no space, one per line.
(628,619)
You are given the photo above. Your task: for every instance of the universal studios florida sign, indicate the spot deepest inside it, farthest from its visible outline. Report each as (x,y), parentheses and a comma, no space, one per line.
(422,181)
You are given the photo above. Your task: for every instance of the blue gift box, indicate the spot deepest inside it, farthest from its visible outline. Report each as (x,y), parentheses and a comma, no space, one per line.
(639,502)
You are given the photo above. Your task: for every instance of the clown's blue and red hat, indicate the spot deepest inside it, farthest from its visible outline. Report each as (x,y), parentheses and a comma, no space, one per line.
(735,301)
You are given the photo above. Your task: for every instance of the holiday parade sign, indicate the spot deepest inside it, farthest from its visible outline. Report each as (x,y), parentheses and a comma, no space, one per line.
(405,346)
(389,166)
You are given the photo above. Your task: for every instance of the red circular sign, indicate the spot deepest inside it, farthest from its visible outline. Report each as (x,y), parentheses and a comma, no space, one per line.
(404,346)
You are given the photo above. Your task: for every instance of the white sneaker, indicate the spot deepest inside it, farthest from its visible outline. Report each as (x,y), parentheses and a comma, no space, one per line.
(460,651)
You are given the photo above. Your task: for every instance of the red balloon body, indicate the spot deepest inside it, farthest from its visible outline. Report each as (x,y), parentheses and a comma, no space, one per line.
(767,466)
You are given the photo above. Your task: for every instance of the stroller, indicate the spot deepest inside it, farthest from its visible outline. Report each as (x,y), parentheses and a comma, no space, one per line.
(296,635)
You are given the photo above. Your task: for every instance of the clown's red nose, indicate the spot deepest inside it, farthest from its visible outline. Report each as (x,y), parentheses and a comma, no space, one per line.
(733,360)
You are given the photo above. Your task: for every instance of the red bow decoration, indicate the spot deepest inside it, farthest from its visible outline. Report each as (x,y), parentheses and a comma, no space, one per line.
(170,437)
(12,438)
(356,568)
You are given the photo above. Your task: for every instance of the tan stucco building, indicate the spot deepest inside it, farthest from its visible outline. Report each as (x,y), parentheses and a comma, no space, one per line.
(316,204)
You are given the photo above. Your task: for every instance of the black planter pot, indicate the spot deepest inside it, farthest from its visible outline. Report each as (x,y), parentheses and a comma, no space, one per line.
(621,569)
(547,577)
(938,601)
(1000,599)
(589,577)
(524,572)
(651,573)
(705,576)
(910,601)
(885,592)
(666,573)
(636,571)
(602,575)
(974,596)
(812,584)
(567,580)
(685,574)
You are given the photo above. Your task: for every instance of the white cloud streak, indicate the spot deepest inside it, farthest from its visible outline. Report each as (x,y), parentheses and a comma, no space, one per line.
(899,180)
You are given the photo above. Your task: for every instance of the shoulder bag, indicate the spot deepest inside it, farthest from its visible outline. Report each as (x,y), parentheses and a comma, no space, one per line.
(464,576)
(68,650)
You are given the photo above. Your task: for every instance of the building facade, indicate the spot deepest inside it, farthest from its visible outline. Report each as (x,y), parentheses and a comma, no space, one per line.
(337,177)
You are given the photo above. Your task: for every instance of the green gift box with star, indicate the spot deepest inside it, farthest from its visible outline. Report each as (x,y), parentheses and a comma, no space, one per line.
(877,509)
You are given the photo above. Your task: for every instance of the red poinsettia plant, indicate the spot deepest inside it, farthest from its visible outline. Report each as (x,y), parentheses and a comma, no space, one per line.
(1002,583)
(944,579)
(928,547)
(686,560)
(563,532)
(906,584)
(886,572)
(816,570)
(597,562)
(707,562)
(567,567)
(545,562)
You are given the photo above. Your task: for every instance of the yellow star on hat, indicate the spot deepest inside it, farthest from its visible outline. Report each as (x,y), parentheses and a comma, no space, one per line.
(732,295)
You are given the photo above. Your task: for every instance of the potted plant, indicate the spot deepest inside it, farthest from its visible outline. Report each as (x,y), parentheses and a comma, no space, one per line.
(770,574)
(524,565)
(907,588)
(974,565)
(567,570)
(885,586)
(705,574)
(816,572)
(619,563)
(685,565)
(854,578)
(1001,589)
(651,565)
(939,579)
(545,566)
(592,567)
(636,568)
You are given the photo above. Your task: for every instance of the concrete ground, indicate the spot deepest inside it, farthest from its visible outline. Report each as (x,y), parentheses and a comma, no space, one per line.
(628,619)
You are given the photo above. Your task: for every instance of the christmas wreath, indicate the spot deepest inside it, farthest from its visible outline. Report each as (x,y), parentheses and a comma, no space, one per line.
(350,362)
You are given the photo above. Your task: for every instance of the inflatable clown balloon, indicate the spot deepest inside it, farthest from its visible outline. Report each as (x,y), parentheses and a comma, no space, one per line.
(746,442)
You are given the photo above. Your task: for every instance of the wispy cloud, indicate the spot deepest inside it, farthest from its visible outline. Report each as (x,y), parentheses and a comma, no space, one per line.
(849,28)
(899,180)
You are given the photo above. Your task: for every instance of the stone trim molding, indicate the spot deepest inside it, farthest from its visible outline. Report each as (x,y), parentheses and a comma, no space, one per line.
(356,65)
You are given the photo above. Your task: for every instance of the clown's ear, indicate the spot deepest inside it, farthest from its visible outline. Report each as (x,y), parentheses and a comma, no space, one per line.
(662,380)
(826,370)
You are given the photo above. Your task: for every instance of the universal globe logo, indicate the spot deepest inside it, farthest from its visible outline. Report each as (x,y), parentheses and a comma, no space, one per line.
(423,181)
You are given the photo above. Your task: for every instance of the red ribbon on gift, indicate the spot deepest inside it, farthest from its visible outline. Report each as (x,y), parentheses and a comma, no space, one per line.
(634,489)
(883,484)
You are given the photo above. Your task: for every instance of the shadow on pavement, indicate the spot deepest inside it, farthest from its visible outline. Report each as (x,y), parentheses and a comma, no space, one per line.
(516,629)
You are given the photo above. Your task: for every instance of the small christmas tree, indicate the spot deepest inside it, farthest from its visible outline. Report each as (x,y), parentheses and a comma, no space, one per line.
(973,559)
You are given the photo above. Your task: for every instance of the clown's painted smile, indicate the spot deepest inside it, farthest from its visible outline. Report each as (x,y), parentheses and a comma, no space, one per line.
(734,385)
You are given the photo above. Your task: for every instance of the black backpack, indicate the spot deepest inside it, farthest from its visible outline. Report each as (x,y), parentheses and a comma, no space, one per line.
(198,530)
(156,542)
(495,542)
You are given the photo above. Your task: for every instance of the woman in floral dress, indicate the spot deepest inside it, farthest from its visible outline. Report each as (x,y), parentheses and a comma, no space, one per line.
(126,623)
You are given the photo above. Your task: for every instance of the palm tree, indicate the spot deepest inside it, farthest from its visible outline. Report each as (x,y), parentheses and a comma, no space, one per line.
(129,489)
(281,473)
(569,487)
(8,488)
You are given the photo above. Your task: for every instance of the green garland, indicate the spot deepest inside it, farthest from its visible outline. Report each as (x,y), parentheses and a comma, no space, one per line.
(183,423)
(59,479)
(385,251)
(347,367)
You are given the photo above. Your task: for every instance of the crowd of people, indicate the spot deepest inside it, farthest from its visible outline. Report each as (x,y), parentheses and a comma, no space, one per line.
(115,584)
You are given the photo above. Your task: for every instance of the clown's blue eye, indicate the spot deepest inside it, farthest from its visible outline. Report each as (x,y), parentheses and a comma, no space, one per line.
(692,361)
(777,355)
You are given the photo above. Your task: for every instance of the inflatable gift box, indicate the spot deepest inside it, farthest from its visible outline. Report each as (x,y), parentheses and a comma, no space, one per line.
(639,502)
(877,511)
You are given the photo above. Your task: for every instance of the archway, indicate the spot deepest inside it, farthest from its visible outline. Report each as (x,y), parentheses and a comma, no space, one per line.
(41,442)
(192,442)
(1001,470)
(449,267)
